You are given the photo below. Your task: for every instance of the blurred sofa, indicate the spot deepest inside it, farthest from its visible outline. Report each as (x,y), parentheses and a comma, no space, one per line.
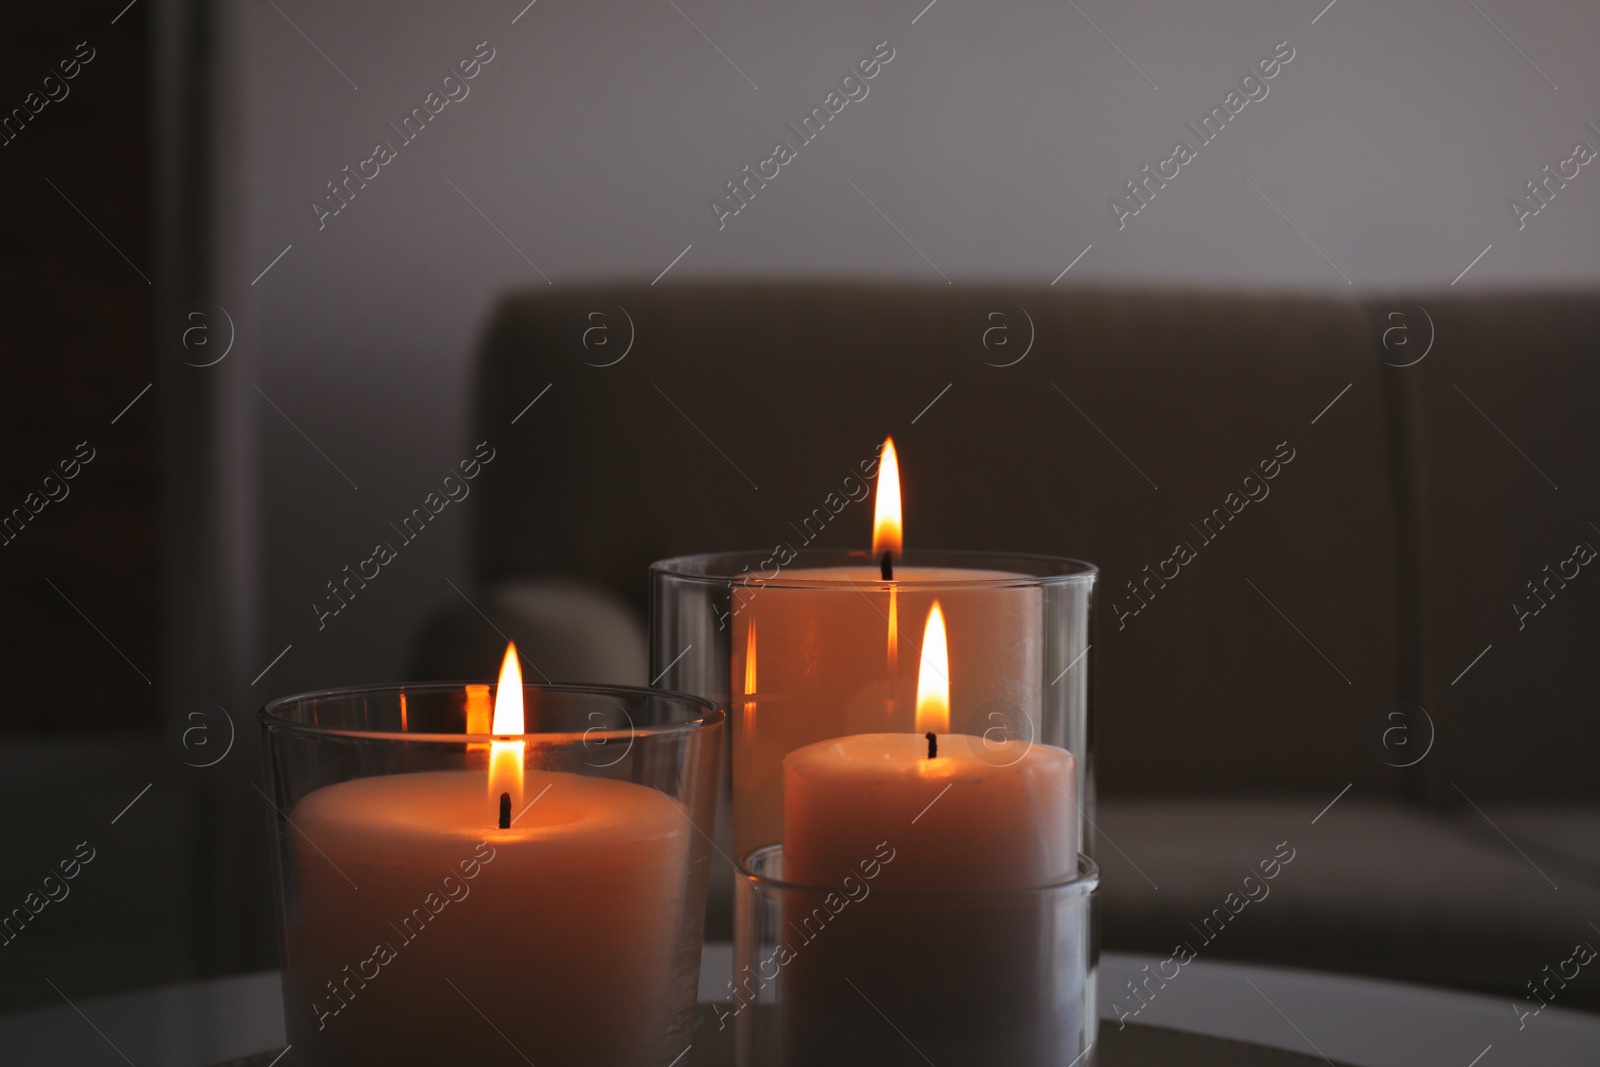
(1268,692)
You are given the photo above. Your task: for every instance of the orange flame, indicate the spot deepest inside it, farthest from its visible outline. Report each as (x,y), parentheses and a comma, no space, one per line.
(479,709)
(894,632)
(748,724)
(748,719)
(886,527)
(750,663)
(506,757)
(933,677)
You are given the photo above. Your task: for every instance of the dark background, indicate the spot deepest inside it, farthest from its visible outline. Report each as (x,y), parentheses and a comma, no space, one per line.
(78,326)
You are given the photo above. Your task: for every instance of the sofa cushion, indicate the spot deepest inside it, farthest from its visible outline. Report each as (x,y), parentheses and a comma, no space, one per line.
(1563,837)
(1373,888)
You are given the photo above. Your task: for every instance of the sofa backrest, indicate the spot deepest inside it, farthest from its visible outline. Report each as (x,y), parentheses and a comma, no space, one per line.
(1117,427)
(1499,420)
(1425,545)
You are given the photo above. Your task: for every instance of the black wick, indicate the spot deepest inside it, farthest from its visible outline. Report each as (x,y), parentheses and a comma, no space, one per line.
(505,811)
(933,744)
(887,566)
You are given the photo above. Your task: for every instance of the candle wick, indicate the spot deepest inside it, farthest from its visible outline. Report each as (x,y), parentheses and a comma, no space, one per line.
(505,811)
(933,744)
(887,566)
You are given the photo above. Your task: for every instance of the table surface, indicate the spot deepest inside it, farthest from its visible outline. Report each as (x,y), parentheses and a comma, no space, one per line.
(1359,1021)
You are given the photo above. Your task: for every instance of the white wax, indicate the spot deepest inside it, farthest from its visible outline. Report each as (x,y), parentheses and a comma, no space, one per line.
(420,923)
(980,815)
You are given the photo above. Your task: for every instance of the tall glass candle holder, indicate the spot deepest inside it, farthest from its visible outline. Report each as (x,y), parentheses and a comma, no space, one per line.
(806,646)
(444,894)
(861,972)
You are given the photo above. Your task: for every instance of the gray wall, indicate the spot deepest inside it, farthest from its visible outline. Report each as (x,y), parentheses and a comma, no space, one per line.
(994,140)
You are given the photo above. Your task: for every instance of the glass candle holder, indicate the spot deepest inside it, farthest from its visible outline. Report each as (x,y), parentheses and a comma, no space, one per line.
(806,646)
(861,972)
(447,897)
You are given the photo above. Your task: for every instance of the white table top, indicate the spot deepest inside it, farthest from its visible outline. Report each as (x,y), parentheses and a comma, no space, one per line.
(1359,1021)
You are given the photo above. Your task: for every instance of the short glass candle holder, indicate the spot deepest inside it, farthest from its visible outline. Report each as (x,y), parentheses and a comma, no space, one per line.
(811,645)
(865,973)
(449,897)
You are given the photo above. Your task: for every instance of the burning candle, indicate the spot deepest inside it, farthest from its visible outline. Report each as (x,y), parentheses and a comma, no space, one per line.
(961,812)
(445,915)
(931,863)
(835,661)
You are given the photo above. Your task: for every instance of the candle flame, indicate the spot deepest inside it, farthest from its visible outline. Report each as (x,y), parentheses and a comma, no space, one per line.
(506,757)
(886,526)
(508,695)
(933,677)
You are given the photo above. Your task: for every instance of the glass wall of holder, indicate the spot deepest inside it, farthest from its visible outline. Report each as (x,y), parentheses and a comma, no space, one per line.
(443,893)
(822,646)
(861,973)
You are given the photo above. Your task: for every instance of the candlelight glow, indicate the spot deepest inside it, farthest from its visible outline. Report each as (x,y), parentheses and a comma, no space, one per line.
(750,663)
(479,710)
(886,528)
(933,677)
(894,632)
(748,724)
(508,695)
(506,757)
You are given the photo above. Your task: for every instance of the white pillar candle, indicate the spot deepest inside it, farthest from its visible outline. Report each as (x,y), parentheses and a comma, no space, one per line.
(436,926)
(958,941)
(960,811)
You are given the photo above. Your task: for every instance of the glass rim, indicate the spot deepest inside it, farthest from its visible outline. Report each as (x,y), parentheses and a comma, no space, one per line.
(1087,878)
(711,713)
(720,568)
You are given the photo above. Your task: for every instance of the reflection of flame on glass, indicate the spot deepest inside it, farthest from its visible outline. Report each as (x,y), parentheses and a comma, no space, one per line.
(933,677)
(505,757)
(403,726)
(749,723)
(894,632)
(479,710)
(748,707)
